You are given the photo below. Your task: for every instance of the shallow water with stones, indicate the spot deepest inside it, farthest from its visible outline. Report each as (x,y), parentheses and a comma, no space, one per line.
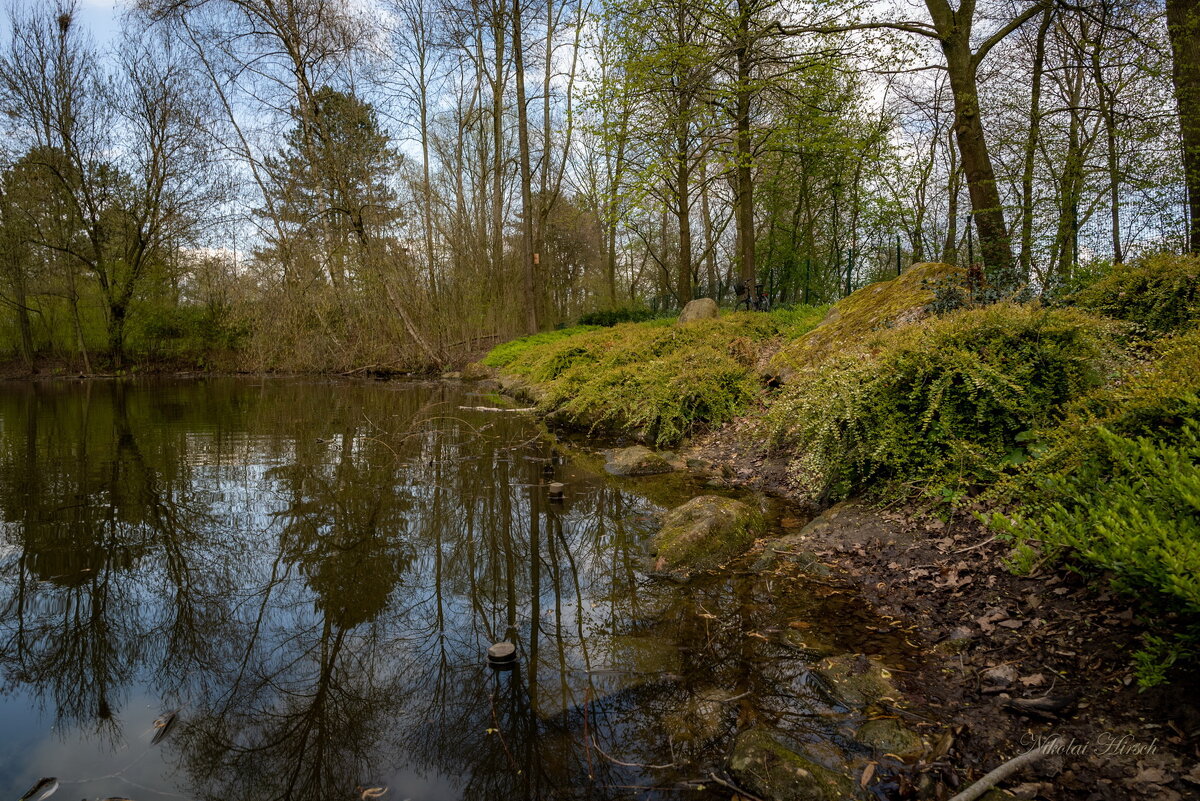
(247,588)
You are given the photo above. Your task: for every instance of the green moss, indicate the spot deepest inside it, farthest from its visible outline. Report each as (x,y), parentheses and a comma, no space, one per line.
(656,381)
(853,320)
(506,352)
(890,736)
(1160,294)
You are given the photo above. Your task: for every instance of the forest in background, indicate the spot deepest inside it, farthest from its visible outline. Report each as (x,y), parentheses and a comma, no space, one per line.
(333,185)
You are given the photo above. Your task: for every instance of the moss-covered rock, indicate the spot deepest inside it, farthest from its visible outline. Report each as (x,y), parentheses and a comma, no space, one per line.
(890,736)
(636,461)
(775,772)
(856,680)
(703,533)
(477,371)
(885,304)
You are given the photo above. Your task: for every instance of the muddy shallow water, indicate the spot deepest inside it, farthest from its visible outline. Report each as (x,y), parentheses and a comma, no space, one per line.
(308,574)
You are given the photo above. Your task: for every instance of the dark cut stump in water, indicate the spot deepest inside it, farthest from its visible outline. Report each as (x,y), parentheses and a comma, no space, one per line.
(502,655)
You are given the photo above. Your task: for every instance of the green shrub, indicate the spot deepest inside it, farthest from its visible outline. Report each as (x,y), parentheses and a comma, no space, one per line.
(1116,487)
(953,400)
(505,353)
(1160,294)
(611,317)
(187,332)
(664,399)
(1132,508)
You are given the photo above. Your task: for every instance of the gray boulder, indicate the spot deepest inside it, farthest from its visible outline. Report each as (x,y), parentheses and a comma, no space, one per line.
(699,309)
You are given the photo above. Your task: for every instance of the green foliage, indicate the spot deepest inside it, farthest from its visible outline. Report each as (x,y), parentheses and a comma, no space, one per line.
(189,333)
(655,380)
(952,401)
(506,352)
(1159,654)
(663,399)
(796,321)
(1116,487)
(1161,294)
(611,317)
(1132,508)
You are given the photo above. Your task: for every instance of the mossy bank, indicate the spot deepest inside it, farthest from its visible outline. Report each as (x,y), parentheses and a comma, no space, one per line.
(1053,438)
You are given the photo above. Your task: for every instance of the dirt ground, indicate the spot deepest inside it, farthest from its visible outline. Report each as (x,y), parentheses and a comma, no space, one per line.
(1013,661)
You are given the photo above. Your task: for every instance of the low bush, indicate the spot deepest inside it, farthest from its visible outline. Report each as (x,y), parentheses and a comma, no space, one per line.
(1117,485)
(185,333)
(655,380)
(1131,507)
(611,317)
(1160,294)
(951,402)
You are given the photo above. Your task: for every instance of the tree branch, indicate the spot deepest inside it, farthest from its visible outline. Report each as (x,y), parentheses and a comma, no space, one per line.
(919,28)
(1013,24)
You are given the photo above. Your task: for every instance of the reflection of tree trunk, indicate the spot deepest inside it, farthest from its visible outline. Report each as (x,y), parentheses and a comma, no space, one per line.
(535,594)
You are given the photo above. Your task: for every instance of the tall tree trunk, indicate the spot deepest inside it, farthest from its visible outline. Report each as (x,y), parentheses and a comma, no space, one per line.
(528,270)
(1066,238)
(1031,143)
(954,34)
(683,277)
(426,183)
(710,244)
(1183,23)
(747,270)
(954,184)
(25,328)
(987,212)
(1108,114)
(498,39)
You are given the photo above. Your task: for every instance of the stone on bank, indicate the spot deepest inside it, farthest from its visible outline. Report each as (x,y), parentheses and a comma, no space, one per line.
(636,461)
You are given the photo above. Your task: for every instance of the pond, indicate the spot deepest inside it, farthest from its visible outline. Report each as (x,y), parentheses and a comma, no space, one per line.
(263,589)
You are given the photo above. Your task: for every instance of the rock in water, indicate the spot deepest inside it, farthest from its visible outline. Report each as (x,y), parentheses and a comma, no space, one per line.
(774,772)
(699,309)
(890,736)
(636,461)
(856,680)
(703,533)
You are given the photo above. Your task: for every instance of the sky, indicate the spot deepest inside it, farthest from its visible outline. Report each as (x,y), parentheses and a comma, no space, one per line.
(100,17)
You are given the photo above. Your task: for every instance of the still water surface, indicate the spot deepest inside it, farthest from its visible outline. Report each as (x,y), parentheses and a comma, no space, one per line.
(308,574)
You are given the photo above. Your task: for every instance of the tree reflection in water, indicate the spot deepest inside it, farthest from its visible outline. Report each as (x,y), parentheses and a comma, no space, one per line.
(313,571)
